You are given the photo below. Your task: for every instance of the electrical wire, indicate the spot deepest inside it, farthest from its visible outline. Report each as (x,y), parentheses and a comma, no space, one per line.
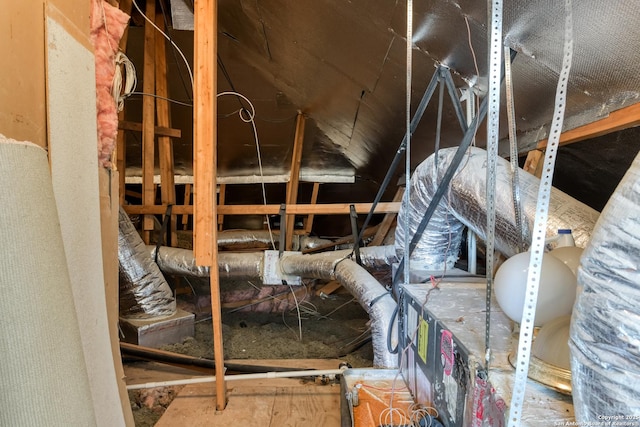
(166,25)
(162,97)
(168,38)
(129,77)
(251,114)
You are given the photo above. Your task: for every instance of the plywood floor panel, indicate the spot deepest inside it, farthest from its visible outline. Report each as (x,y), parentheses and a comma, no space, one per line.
(263,406)
(276,402)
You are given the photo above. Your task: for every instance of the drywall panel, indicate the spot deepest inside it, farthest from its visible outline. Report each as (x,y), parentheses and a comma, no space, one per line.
(71,110)
(22,89)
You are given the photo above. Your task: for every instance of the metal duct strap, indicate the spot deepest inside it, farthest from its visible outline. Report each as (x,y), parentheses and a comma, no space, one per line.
(144,293)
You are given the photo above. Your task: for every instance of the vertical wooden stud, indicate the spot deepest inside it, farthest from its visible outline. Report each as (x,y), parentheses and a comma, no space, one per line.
(165,144)
(222,189)
(120,152)
(294,179)
(204,167)
(186,202)
(148,120)
(308,223)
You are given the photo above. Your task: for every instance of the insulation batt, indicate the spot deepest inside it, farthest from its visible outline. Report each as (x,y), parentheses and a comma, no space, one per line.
(107,27)
(144,292)
(605,324)
(465,205)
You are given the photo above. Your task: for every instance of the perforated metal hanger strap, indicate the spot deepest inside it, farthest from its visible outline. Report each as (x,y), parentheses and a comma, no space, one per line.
(539,228)
(493,130)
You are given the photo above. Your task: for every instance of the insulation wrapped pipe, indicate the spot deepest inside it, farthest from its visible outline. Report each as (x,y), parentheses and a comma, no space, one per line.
(605,325)
(144,292)
(250,264)
(465,205)
(249,238)
(371,295)
(326,265)
(181,262)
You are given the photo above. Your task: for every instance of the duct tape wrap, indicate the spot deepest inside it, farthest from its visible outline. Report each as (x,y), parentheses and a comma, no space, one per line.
(605,326)
(144,292)
(465,205)
(181,262)
(364,287)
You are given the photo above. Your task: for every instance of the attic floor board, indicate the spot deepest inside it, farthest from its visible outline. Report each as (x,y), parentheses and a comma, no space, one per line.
(262,405)
(282,402)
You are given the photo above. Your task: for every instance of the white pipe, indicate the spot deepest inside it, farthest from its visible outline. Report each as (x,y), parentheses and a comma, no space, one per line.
(256,376)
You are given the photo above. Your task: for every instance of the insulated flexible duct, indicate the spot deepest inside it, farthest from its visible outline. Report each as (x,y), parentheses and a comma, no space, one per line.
(250,238)
(605,325)
(465,205)
(371,295)
(181,262)
(327,265)
(144,292)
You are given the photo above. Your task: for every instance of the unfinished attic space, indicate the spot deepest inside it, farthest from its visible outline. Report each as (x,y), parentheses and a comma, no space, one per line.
(328,213)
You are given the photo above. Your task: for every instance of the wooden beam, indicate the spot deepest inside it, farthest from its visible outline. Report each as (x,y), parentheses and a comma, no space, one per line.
(323,209)
(148,120)
(221,196)
(204,166)
(187,202)
(534,163)
(163,116)
(308,222)
(157,130)
(617,120)
(120,151)
(294,177)
(387,221)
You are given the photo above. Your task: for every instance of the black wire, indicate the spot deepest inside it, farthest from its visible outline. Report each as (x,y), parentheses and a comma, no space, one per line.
(227,77)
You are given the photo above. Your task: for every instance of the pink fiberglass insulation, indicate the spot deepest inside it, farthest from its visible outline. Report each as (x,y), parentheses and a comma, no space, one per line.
(107,27)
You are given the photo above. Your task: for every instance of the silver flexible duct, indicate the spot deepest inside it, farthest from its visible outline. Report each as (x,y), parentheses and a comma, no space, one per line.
(144,293)
(248,238)
(371,295)
(465,205)
(325,265)
(605,325)
(230,264)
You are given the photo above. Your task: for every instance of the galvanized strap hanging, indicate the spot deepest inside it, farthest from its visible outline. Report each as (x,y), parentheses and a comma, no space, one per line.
(513,148)
(493,136)
(407,172)
(539,229)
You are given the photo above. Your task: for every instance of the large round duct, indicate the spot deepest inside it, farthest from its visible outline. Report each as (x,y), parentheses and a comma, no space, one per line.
(465,205)
(605,325)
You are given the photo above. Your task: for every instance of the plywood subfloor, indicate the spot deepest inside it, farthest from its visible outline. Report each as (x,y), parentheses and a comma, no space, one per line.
(281,402)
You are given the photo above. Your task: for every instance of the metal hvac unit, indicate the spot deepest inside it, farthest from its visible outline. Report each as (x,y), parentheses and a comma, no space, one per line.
(443,363)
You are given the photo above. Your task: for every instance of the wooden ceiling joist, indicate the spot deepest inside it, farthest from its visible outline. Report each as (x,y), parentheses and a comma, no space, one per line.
(299,209)
(617,120)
